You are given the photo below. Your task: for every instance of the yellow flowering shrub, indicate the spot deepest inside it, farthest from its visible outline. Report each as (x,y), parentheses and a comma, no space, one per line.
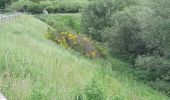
(91,54)
(50,36)
(67,39)
(77,42)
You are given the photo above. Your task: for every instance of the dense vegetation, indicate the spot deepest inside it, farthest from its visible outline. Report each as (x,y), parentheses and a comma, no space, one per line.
(57,6)
(136,31)
(120,40)
(5,3)
(34,68)
(62,22)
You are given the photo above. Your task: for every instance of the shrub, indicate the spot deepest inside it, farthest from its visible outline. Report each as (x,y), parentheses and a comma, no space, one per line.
(21,6)
(124,37)
(71,23)
(156,36)
(117,97)
(161,86)
(98,16)
(51,6)
(67,39)
(50,9)
(77,42)
(93,91)
(50,36)
(132,28)
(102,49)
(36,8)
(5,3)
(158,67)
(78,94)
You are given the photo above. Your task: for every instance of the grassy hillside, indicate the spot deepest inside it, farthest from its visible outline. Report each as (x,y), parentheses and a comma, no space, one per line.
(33,68)
(62,22)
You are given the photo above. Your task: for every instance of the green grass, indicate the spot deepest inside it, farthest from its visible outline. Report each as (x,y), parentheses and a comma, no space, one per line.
(34,68)
(62,22)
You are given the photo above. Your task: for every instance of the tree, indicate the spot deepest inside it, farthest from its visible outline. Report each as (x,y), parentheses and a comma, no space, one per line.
(4,3)
(97,16)
(35,1)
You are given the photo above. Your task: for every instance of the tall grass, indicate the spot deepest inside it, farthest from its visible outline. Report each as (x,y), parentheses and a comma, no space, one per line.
(33,68)
(62,22)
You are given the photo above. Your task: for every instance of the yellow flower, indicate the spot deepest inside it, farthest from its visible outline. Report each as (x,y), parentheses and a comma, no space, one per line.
(93,54)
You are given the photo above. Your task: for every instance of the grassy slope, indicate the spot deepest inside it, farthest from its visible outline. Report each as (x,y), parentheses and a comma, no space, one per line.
(33,68)
(62,22)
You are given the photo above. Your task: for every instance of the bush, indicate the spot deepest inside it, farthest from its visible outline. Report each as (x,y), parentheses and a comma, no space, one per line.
(156,36)
(159,67)
(124,36)
(5,3)
(27,6)
(102,49)
(93,91)
(21,6)
(51,6)
(161,86)
(98,16)
(77,42)
(50,9)
(36,8)
(133,28)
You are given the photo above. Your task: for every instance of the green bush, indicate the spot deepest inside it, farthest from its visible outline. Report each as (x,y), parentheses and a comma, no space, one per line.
(27,6)
(50,6)
(159,66)
(98,15)
(156,70)
(93,19)
(102,49)
(124,36)
(77,42)
(36,8)
(50,9)
(161,86)
(5,3)
(21,6)
(93,91)
(132,29)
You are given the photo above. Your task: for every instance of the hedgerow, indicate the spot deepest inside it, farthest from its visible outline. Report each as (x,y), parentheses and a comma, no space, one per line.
(50,6)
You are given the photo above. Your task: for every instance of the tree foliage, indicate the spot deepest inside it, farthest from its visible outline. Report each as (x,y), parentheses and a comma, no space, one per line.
(4,3)
(97,16)
(137,29)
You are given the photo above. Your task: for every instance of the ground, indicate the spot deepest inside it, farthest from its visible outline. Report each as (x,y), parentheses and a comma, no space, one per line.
(34,68)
